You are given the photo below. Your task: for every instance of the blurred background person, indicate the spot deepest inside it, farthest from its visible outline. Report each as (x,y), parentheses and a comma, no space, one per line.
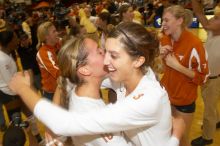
(48,46)
(210,90)
(126,13)
(186,65)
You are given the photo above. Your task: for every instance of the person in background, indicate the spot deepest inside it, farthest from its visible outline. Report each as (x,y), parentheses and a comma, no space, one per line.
(48,46)
(159,7)
(138,18)
(8,68)
(105,24)
(210,90)
(8,43)
(86,22)
(27,54)
(149,14)
(186,64)
(77,31)
(26,25)
(105,5)
(112,8)
(14,136)
(126,13)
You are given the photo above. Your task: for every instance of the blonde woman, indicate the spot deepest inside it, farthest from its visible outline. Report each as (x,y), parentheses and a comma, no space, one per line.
(185,62)
(48,45)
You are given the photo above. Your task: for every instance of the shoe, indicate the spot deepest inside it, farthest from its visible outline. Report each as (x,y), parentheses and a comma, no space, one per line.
(200,141)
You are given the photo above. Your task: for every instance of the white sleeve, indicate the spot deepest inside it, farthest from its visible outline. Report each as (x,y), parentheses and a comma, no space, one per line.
(129,114)
(174,141)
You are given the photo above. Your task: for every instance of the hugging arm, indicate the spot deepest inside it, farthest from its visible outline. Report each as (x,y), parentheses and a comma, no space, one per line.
(125,115)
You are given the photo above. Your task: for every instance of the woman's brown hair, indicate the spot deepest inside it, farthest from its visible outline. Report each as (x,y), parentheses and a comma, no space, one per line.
(137,41)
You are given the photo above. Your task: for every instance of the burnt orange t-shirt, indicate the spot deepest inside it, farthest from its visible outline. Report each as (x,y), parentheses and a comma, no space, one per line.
(190,52)
(47,61)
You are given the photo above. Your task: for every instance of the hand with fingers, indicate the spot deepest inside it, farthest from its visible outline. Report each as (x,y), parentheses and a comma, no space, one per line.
(172,61)
(165,50)
(19,80)
(51,140)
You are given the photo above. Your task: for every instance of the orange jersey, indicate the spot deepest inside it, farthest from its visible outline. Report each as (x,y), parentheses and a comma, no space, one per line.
(190,53)
(47,61)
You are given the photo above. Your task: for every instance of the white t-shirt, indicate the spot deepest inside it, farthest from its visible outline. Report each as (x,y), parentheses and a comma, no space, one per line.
(138,136)
(144,114)
(85,104)
(7,69)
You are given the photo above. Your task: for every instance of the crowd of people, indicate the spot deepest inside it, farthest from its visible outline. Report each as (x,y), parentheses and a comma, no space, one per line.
(69,54)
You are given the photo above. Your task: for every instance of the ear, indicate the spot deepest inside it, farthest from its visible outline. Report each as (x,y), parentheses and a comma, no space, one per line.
(84,71)
(46,38)
(180,21)
(139,62)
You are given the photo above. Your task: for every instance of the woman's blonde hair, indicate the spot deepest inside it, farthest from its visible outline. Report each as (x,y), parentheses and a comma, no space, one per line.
(42,32)
(179,12)
(71,56)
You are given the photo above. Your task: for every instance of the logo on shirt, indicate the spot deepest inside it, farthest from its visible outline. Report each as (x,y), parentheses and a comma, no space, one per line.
(138,96)
(107,137)
(204,65)
(181,57)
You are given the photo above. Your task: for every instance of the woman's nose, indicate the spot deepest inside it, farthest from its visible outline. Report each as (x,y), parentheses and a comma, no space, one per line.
(106,59)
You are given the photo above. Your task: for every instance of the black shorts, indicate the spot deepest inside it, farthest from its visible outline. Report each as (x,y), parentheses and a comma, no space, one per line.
(186,108)
(6,98)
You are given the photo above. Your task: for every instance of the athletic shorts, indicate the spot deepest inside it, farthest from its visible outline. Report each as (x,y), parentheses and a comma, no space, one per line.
(186,108)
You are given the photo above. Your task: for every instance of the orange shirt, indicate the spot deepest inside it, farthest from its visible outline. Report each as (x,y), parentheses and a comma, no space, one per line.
(47,61)
(190,53)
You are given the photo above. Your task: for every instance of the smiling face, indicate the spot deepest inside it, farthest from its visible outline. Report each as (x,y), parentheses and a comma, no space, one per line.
(170,23)
(130,50)
(117,60)
(52,36)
